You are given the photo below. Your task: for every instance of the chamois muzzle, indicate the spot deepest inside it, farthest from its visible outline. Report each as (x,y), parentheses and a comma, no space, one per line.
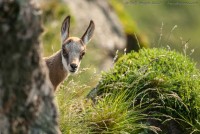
(73,67)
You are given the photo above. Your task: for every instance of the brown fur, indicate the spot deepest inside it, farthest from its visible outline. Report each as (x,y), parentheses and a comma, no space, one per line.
(57,72)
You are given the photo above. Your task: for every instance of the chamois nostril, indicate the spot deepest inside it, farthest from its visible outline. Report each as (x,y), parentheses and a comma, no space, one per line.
(73,66)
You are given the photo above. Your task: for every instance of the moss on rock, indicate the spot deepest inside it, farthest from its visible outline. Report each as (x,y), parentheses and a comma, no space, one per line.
(165,81)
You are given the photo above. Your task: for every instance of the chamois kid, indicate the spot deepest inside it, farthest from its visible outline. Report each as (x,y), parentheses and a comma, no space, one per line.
(67,60)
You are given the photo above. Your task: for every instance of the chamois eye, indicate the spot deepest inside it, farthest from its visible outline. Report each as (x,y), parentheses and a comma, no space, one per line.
(65,54)
(82,54)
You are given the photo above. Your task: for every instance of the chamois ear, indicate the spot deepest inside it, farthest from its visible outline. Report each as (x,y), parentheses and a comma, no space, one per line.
(65,29)
(89,32)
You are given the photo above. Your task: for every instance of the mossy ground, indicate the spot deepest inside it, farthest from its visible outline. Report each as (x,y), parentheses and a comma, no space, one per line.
(165,80)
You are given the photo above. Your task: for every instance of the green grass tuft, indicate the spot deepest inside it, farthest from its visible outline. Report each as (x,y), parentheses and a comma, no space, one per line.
(166,79)
(112,114)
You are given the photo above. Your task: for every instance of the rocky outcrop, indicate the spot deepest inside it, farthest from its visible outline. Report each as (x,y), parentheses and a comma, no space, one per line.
(26,95)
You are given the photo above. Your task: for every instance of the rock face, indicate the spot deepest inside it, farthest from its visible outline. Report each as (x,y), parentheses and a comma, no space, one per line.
(109,35)
(26,95)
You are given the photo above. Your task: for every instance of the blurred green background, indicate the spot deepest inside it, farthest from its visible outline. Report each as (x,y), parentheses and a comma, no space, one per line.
(150,16)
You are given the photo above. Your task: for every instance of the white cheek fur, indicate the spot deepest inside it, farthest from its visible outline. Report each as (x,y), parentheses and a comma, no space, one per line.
(64,63)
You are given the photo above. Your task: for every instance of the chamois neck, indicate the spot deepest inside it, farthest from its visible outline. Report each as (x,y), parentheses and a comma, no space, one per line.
(57,72)
(57,59)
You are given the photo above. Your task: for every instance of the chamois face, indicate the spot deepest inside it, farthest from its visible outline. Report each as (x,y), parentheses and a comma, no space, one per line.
(73,48)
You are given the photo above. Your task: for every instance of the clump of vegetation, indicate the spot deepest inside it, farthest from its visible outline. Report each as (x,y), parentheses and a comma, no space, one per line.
(165,83)
(154,85)
(110,114)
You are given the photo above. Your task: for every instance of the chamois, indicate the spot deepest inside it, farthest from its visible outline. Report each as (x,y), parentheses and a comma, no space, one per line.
(67,60)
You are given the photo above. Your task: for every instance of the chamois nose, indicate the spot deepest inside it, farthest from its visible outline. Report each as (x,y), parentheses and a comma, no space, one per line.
(73,66)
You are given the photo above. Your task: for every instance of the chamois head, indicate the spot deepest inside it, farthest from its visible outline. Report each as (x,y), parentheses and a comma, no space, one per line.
(73,48)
